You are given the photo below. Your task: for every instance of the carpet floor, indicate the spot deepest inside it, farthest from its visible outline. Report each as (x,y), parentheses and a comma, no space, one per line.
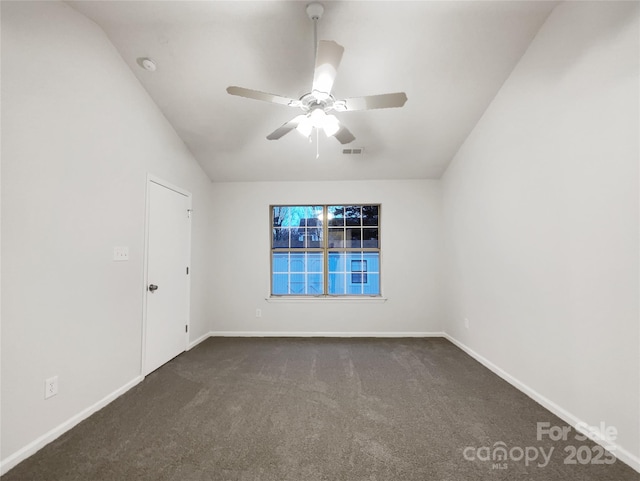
(284,409)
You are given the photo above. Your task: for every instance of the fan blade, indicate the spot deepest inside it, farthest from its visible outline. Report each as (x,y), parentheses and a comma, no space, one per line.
(286,128)
(328,58)
(265,97)
(383,101)
(343,135)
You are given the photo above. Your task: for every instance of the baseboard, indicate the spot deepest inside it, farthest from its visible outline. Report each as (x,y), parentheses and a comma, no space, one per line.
(379,334)
(204,337)
(620,453)
(31,448)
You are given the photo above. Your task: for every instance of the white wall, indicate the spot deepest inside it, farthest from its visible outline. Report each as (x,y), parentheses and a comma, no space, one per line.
(79,135)
(541,221)
(410,241)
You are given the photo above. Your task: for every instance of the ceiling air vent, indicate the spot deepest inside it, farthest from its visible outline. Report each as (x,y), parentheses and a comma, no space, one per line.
(355,151)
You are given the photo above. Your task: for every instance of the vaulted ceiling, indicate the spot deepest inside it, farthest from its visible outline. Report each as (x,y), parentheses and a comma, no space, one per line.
(450,57)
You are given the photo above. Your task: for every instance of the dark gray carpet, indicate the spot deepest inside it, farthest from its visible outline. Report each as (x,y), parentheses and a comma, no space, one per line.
(311,410)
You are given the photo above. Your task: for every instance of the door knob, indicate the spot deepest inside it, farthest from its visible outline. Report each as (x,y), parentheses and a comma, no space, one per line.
(153,287)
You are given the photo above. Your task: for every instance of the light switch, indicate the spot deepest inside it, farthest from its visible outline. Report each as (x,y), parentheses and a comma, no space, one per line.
(121,253)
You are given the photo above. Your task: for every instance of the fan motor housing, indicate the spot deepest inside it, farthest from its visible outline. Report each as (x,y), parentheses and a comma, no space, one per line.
(310,101)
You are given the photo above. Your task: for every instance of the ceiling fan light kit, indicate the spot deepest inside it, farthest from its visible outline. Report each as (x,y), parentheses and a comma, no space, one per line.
(318,104)
(320,120)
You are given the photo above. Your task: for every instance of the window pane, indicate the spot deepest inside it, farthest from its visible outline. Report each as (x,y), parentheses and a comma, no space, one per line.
(370,215)
(281,237)
(373,261)
(297,262)
(369,237)
(314,262)
(372,286)
(353,215)
(337,261)
(354,238)
(315,284)
(296,283)
(335,213)
(280,262)
(280,284)
(279,214)
(336,237)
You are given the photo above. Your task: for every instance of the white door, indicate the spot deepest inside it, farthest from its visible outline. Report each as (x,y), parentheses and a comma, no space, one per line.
(167,293)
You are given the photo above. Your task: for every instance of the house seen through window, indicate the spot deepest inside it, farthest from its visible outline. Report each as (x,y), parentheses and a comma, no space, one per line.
(325,250)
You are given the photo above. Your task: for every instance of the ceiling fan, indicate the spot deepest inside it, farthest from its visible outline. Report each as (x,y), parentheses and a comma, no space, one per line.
(317,105)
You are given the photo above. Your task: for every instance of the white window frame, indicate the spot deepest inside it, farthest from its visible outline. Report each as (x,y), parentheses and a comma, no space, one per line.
(325,249)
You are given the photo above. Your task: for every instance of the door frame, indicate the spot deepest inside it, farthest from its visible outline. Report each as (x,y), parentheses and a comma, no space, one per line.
(152,179)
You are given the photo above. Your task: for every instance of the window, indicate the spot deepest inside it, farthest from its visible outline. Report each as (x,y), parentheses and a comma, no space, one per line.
(325,250)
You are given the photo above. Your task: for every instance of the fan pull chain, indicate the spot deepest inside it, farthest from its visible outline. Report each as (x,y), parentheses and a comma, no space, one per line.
(317,143)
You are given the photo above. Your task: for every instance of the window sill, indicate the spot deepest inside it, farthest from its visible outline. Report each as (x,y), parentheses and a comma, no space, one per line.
(302,299)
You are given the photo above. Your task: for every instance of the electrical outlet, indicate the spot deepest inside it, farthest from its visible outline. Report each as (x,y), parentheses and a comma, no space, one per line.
(466,323)
(258,312)
(51,387)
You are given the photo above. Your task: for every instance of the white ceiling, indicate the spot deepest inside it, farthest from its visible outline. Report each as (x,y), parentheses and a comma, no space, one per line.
(450,57)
